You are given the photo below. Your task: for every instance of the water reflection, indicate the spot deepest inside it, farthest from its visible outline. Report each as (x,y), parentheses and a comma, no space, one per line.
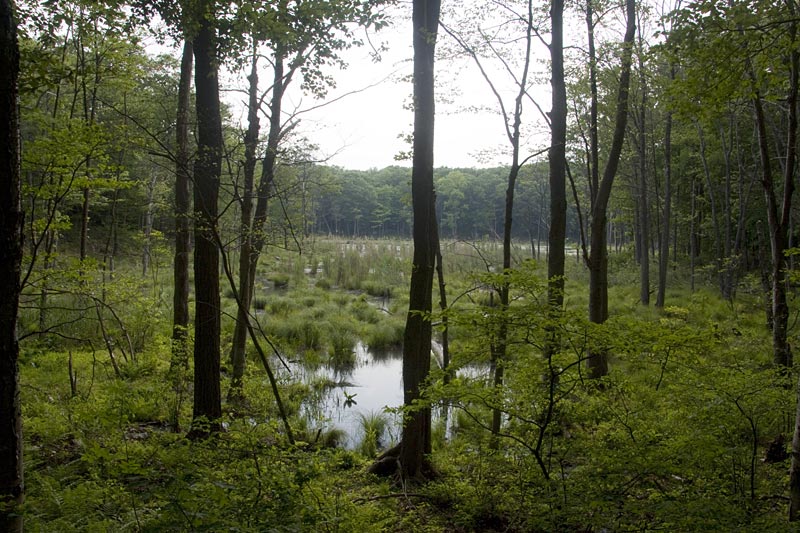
(347,393)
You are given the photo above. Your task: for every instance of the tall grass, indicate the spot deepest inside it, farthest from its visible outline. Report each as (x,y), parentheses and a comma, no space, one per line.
(374,427)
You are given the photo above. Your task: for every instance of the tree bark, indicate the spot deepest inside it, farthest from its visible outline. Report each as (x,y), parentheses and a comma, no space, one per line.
(255,234)
(180,300)
(416,437)
(557,162)
(148,224)
(778,216)
(500,346)
(207,403)
(12,489)
(718,245)
(782,350)
(597,361)
(239,343)
(179,362)
(644,212)
(594,151)
(663,253)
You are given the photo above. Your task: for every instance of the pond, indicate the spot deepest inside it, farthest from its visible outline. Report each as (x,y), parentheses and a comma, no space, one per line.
(349,394)
(345,397)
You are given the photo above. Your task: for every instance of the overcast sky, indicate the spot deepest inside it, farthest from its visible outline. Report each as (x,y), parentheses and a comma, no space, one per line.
(363,130)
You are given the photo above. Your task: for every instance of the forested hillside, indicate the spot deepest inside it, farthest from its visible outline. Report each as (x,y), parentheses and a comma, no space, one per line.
(207,325)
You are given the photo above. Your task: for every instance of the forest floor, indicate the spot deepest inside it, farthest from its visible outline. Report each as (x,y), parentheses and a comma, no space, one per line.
(689,432)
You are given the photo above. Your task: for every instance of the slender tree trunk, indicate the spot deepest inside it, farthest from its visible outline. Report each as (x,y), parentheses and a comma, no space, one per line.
(498,348)
(644,239)
(148,224)
(729,263)
(764,271)
(782,350)
(89,114)
(179,362)
(597,361)
(207,169)
(718,254)
(12,488)
(238,346)
(84,239)
(443,307)
(663,254)
(416,436)
(692,239)
(255,234)
(675,227)
(594,151)
(778,218)
(644,213)
(180,301)
(557,162)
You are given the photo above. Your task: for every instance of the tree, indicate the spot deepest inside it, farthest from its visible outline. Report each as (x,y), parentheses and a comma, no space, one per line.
(642,201)
(598,254)
(512,118)
(416,438)
(558,162)
(180,299)
(12,490)
(663,250)
(207,169)
(303,37)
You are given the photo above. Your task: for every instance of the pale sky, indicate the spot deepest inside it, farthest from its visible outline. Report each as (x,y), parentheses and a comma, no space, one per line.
(361,130)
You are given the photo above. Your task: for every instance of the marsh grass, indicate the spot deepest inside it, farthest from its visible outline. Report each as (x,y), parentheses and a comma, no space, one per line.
(342,347)
(385,335)
(373,427)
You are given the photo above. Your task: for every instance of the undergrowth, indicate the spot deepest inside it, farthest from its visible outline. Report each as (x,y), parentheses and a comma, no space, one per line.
(689,432)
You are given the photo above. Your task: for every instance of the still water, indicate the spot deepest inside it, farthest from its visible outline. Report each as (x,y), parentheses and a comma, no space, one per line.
(366,387)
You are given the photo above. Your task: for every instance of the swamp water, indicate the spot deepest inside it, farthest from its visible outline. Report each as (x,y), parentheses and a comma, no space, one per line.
(345,396)
(348,397)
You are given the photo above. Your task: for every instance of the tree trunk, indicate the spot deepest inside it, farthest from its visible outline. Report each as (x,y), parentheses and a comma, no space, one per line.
(644,213)
(84,239)
(594,151)
(443,306)
(692,239)
(239,343)
(729,262)
(718,254)
(764,272)
(179,362)
(148,224)
(644,239)
(557,178)
(557,162)
(12,489)
(597,361)
(207,403)
(248,259)
(778,217)
(663,253)
(791,157)
(416,437)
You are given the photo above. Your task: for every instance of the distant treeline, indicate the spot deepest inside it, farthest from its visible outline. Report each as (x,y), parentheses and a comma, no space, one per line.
(469,201)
